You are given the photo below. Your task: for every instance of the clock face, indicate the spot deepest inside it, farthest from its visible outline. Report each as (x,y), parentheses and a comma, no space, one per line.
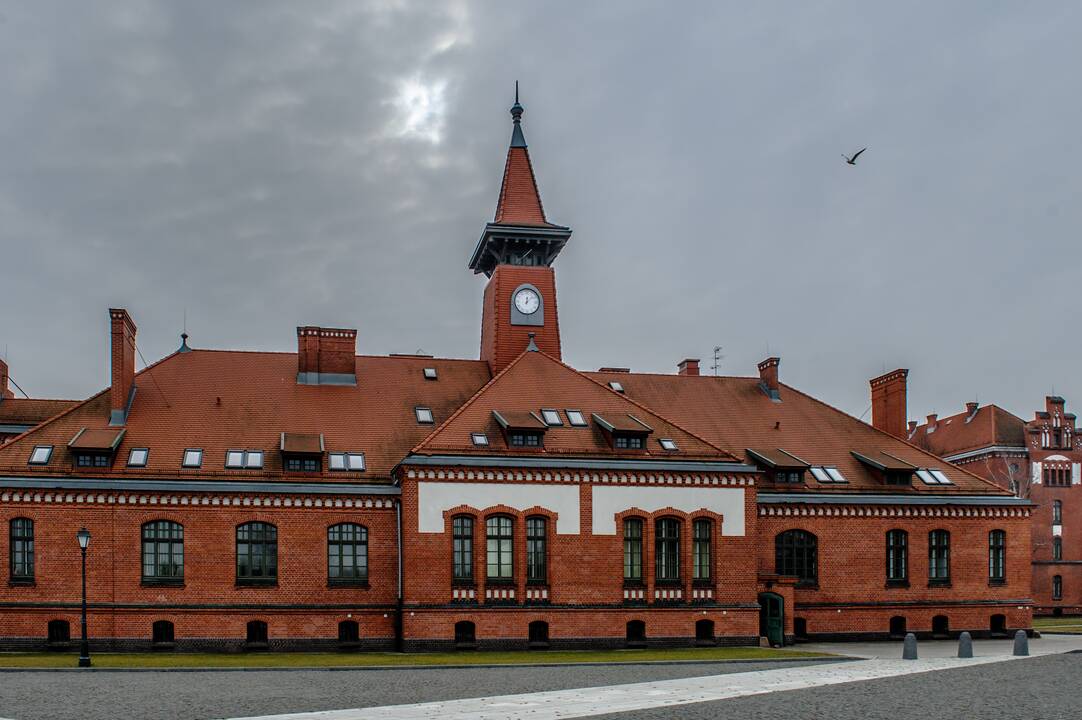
(527,301)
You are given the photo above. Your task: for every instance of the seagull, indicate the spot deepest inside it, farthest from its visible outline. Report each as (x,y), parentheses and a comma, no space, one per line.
(853,160)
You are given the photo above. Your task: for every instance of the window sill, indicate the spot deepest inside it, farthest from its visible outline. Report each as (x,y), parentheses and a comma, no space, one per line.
(256,583)
(897,584)
(19,582)
(467,584)
(152,582)
(703,583)
(537,583)
(634,584)
(997,583)
(807,585)
(355,584)
(501,582)
(939,583)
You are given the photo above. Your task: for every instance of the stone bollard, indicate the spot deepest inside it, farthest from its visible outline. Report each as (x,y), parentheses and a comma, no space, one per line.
(1021,643)
(965,645)
(909,647)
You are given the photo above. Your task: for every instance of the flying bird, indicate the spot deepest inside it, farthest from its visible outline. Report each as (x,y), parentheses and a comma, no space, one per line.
(853,160)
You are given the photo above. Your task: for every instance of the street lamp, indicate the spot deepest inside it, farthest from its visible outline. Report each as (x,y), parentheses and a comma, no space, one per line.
(83,536)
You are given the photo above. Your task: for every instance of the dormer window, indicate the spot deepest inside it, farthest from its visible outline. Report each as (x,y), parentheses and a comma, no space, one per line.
(521,429)
(346,462)
(551,418)
(781,466)
(430,374)
(97,460)
(479,439)
(302,464)
(575,418)
(41,455)
(627,442)
(424,415)
(668,445)
(244,459)
(302,452)
(137,457)
(794,477)
(625,432)
(893,470)
(95,448)
(193,458)
(524,439)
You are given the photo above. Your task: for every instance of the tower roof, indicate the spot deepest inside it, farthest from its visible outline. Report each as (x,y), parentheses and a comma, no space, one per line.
(520,202)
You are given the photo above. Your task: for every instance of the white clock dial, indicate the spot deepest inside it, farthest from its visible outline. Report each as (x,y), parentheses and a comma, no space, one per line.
(527,301)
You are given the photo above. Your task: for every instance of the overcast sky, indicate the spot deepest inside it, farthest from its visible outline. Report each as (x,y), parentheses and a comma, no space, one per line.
(263,165)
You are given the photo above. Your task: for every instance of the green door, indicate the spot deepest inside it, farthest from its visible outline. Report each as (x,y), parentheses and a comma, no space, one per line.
(772,618)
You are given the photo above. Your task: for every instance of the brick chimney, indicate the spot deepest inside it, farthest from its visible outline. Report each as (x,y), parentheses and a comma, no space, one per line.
(888,403)
(931,422)
(971,408)
(690,366)
(122,390)
(5,392)
(326,356)
(768,378)
(912,426)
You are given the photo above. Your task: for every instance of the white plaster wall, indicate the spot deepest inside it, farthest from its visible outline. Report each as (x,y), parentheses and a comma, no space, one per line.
(433,498)
(610,500)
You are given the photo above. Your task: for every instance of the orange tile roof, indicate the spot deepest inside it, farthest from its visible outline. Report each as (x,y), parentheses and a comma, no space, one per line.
(734,413)
(520,202)
(990,425)
(31,411)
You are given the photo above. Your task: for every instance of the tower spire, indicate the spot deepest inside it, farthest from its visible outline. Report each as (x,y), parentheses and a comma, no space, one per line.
(518,140)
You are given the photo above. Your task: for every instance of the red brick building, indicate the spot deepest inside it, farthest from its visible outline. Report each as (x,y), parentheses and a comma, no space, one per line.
(329,499)
(18,415)
(1039,460)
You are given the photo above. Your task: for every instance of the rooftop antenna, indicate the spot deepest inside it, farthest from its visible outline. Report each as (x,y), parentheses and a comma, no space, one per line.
(145,366)
(183,336)
(717,360)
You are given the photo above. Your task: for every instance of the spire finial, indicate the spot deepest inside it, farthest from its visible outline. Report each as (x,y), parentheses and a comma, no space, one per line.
(517,138)
(184,343)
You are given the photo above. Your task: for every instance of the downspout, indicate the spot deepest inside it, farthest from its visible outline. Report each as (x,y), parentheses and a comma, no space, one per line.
(398,639)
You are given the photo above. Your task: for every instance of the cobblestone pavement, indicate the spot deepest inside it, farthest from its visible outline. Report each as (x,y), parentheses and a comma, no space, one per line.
(1040,688)
(202,695)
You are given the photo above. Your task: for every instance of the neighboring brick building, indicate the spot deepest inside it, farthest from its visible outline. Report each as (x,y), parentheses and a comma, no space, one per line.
(17,415)
(1039,460)
(325,499)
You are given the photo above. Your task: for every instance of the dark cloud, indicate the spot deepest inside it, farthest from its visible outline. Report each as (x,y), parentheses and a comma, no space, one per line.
(264,165)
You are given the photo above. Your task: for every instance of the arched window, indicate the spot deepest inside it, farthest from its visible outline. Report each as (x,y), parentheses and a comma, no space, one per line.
(1057,548)
(500,550)
(897,627)
(1057,587)
(897,557)
(257,554)
(163,552)
(796,554)
(347,554)
(939,557)
(538,634)
(462,549)
(21,534)
(701,532)
(1057,512)
(536,565)
(59,632)
(162,632)
(465,634)
(633,551)
(667,550)
(256,633)
(349,632)
(636,632)
(997,556)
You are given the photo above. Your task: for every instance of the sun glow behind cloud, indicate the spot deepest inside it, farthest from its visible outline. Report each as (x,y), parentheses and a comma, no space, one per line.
(420,109)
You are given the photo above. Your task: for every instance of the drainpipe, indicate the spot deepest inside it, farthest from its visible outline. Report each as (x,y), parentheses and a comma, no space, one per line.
(398,640)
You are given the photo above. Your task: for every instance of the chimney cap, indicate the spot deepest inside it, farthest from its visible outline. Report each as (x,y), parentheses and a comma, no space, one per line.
(971,407)
(900,373)
(932,418)
(769,362)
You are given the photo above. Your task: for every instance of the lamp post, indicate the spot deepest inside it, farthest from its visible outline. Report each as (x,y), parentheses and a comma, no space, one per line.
(83,536)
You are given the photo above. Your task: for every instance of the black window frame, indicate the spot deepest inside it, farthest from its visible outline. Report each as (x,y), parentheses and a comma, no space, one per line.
(525,439)
(462,528)
(796,554)
(268,544)
(702,550)
(667,540)
(21,551)
(627,441)
(91,460)
(939,558)
(48,455)
(303,463)
(997,557)
(500,529)
(897,559)
(536,550)
(352,536)
(153,535)
(146,457)
(1057,587)
(633,552)
(1057,548)
(1057,512)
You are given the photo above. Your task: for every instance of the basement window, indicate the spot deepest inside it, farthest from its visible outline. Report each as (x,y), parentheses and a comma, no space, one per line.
(430,374)
(249,459)
(479,439)
(137,457)
(41,455)
(347,462)
(193,458)
(616,386)
(668,444)
(424,415)
(551,417)
(575,418)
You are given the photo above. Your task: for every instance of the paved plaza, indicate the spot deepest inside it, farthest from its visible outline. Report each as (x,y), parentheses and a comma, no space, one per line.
(877,684)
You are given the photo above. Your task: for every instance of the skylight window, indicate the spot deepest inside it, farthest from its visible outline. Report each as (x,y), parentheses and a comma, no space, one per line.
(616,386)
(828,475)
(479,439)
(820,474)
(575,418)
(424,415)
(933,477)
(551,417)
(249,459)
(137,457)
(668,444)
(836,475)
(41,455)
(430,374)
(347,462)
(234,459)
(193,458)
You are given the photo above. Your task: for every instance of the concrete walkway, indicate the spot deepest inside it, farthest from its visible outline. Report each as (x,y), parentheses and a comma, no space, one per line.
(1045,645)
(585,702)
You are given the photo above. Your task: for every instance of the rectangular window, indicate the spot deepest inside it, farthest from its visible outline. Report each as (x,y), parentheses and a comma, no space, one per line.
(347,554)
(525,440)
(500,549)
(91,460)
(462,549)
(193,458)
(551,417)
(535,550)
(897,557)
(21,534)
(576,418)
(1057,512)
(668,444)
(997,556)
(700,549)
(479,439)
(343,462)
(939,558)
(667,549)
(424,415)
(1057,587)
(163,552)
(633,551)
(430,374)
(138,457)
(303,464)
(41,455)
(616,386)
(628,442)
(257,553)
(234,458)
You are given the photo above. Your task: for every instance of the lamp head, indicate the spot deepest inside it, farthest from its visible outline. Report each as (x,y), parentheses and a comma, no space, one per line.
(83,536)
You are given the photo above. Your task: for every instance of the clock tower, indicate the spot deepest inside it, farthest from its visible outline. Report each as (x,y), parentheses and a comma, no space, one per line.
(516,251)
